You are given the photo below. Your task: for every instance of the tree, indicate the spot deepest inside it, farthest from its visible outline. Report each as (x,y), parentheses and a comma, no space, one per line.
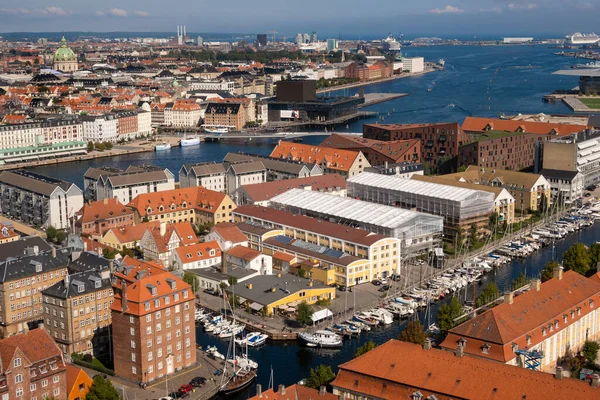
(365,348)
(577,258)
(548,271)
(590,351)
(301,273)
(102,389)
(320,376)
(462,168)
(414,333)
(51,233)
(232,280)
(234,301)
(304,313)
(191,280)
(90,147)
(488,294)
(60,236)
(109,254)
(493,221)
(99,146)
(594,255)
(43,89)
(448,313)
(107,145)
(519,282)
(473,234)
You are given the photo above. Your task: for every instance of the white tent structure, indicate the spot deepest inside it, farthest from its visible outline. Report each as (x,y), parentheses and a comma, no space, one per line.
(321,315)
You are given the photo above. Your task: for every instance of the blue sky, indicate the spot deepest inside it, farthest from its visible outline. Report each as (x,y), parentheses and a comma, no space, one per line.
(448,18)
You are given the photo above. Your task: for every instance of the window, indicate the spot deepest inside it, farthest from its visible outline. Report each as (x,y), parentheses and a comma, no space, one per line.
(18,378)
(32,387)
(19,392)
(45,383)
(17,362)
(131,319)
(133,344)
(133,357)
(133,371)
(56,392)
(56,379)
(149,356)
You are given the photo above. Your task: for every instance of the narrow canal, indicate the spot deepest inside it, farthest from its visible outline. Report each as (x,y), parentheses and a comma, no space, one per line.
(291,362)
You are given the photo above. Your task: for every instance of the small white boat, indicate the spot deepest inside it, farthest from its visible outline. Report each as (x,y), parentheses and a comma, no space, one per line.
(253,339)
(243,362)
(321,338)
(162,146)
(216,130)
(214,353)
(189,141)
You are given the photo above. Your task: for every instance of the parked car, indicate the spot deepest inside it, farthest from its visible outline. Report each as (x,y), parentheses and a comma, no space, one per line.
(376,282)
(384,288)
(587,194)
(198,381)
(384,281)
(178,395)
(341,288)
(186,388)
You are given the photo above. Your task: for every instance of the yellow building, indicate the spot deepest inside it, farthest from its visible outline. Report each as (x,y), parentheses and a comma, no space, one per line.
(268,292)
(266,225)
(126,237)
(7,234)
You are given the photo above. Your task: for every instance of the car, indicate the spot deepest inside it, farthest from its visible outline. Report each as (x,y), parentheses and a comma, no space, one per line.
(341,288)
(198,381)
(384,281)
(186,388)
(587,194)
(166,398)
(376,282)
(386,288)
(178,395)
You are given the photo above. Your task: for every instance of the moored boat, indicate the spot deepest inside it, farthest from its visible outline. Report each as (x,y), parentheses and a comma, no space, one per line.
(189,141)
(321,338)
(162,146)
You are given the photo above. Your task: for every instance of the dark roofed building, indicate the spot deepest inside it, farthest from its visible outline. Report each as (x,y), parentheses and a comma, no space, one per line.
(29,245)
(277,169)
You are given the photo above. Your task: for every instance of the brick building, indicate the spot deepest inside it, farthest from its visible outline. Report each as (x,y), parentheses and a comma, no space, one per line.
(440,143)
(377,152)
(32,367)
(153,322)
(77,312)
(99,216)
(230,115)
(127,125)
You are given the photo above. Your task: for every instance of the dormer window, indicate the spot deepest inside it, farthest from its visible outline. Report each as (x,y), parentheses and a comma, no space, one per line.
(212,253)
(550,327)
(152,289)
(161,208)
(486,349)
(149,210)
(172,206)
(172,283)
(543,331)
(572,314)
(578,310)
(184,205)
(417,396)
(565,318)
(97,284)
(591,303)
(17,362)
(556,324)
(528,338)
(80,288)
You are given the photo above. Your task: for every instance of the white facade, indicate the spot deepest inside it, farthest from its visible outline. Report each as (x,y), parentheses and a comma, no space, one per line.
(262,263)
(570,189)
(513,40)
(416,64)
(150,247)
(144,123)
(223,243)
(125,189)
(226,86)
(209,176)
(183,116)
(102,128)
(238,176)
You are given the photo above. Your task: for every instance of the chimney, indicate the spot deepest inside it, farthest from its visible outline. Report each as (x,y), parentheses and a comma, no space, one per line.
(163,228)
(459,352)
(427,345)
(259,390)
(53,252)
(249,286)
(559,373)
(111,265)
(124,295)
(536,285)
(84,245)
(67,280)
(558,272)
(322,391)
(310,284)
(281,389)
(509,298)
(595,380)
(105,200)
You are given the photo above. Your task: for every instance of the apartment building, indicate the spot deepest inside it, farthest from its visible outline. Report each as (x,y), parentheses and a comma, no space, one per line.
(230,115)
(100,128)
(526,188)
(182,113)
(439,142)
(127,185)
(332,161)
(33,367)
(22,281)
(210,175)
(127,124)
(561,316)
(195,204)
(159,242)
(99,216)
(244,173)
(39,200)
(227,235)
(377,152)
(382,252)
(30,141)
(127,237)
(477,125)
(91,178)
(277,169)
(153,333)
(200,255)
(144,122)
(77,312)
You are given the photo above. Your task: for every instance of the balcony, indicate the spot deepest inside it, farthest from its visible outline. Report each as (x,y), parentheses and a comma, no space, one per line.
(429,143)
(442,138)
(442,151)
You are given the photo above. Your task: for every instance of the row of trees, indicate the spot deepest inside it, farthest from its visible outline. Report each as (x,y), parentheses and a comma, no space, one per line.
(56,236)
(100,146)
(578,258)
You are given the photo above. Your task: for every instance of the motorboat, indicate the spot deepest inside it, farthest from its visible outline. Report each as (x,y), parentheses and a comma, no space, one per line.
(365,319)
(162,146)
(189,141)
(231,331)
(243,362)
(321,338)
(219,130)
(253,339)
(214,353)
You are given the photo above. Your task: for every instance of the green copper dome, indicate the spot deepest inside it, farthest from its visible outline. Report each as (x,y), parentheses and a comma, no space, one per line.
(64,53)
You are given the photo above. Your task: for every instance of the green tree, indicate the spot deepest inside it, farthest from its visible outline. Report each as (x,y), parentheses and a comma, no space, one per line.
(107,145)
(365,348)
(304,313)
(232,280)
(519,282)
(109,254)
(548,271)
(51,233)
(448,313)
(320,376)
(301,272)
(90,147)
(414,333)
(473,235)
(102,389)
(577,259)
(191,280)
(488,294)
(462,168)
(43,89)
(234,301)
(590,351)
(493,221)
(99,146)
(594,255)
(60,236)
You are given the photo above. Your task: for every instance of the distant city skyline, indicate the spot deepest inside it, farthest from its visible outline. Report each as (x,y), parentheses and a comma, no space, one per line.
(351,18)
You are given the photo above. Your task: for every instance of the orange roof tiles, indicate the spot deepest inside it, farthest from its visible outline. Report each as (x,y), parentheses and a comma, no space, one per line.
(474,124)
(336,159)
(267,190)
(14,119)
(243,253)
(229,232)
(36,345)
(183,230)
(295,392)
(103,209)
(396,370)
(199,251)
(176,200)
(128,234)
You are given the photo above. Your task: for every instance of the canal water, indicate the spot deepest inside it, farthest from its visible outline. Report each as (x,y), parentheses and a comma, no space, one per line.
(478,81)
(291,362)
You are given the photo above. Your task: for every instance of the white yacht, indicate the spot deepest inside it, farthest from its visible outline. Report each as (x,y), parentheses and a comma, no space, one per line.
(162,146)
(189,141)
(321,338)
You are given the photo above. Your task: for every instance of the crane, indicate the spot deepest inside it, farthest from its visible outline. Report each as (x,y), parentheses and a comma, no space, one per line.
(274,35)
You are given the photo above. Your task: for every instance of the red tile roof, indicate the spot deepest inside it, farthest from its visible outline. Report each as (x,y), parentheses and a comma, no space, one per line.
(180,199)
(267,190)
(128,234)
(229,232)
(243,253)
(198,251)
(295,392)
(336,159)
(103,209)
(474,124)
(396,370)
(36,345)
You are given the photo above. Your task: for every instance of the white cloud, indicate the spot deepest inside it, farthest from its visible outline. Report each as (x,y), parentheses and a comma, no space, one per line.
(56,11)
(522,6)
(141,13)
(48,11)
(100,13)
(117,12)
(447,10)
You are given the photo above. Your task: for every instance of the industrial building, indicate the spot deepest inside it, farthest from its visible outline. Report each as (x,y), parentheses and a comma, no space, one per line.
(461,208)
(419,232)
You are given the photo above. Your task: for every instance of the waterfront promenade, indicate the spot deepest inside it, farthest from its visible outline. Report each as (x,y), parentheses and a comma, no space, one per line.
(361,84)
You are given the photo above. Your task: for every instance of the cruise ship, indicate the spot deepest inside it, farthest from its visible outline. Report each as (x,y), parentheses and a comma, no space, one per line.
(579,39)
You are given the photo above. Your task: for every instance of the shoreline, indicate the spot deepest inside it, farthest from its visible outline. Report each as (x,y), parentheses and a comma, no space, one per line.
(361,84)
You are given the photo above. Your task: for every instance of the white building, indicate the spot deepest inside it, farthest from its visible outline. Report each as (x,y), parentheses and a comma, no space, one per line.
(247,258)
(126,186)
(38,200)
(565,186)
(199,255)
(227,235)
(43,139)
(516,40)
(100,128)
(144,123)
(208,175)
(221,85)
(415,64)
(244,173)
(182,114)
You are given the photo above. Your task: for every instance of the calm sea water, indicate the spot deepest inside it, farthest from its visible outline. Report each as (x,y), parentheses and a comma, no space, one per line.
(478,81)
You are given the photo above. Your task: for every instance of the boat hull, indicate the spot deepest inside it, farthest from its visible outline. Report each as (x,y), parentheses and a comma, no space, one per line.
(233,387)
